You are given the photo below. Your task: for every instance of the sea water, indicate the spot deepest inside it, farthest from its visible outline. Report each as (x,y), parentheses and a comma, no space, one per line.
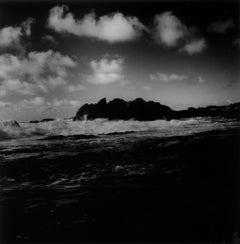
(64,175)
(36,155)
(61,136)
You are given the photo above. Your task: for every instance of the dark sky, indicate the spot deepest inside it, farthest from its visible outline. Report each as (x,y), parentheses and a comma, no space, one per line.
(57,55)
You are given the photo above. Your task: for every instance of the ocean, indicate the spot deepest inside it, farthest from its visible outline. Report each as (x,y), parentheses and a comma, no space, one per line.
(101,180)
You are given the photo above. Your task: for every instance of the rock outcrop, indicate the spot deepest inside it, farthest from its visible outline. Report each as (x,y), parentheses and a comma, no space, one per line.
(43,120)
(141,110)
(137,109)
(228,111)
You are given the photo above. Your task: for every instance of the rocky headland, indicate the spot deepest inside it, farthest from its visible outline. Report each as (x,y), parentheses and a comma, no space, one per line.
(139,109)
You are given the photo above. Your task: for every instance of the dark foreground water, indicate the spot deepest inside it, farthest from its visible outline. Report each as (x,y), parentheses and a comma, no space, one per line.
(144,182)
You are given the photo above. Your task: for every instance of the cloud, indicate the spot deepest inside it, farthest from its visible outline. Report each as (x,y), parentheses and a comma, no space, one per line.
(163,77)
(169,30)
(26,26)
(35,102)
(73,88)
(221,26)
(194,47)
(107,70)
(11,36)
(4,104)
(112,28)
(12,86)
(65,103)
(49,38)
(38,72)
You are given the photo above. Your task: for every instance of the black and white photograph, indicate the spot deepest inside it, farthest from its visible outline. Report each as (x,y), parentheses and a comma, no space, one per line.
(120,121)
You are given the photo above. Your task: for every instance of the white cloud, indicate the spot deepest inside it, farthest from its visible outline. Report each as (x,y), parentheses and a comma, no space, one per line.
(106,71)
(73,88)
(221,26)
(194,47)
(171,32)
(38,72)
(169,29)
(112,28)
(163,77)
(10,36)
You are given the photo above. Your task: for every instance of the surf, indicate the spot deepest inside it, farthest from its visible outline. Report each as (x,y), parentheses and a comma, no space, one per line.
(66,127)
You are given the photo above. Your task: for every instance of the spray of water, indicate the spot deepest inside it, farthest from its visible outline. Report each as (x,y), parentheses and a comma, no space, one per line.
(102,126)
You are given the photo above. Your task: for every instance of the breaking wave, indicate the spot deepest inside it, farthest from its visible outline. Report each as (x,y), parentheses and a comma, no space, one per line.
(60,127)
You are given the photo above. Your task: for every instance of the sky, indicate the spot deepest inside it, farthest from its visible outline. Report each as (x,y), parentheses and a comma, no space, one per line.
(58,55)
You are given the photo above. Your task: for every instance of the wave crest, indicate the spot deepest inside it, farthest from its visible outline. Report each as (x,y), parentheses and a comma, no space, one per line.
(62,127)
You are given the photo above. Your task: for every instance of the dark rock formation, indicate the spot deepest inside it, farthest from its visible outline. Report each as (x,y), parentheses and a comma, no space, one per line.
(34,121)
(47,120)
(43,120)
(139,109)
(228,111)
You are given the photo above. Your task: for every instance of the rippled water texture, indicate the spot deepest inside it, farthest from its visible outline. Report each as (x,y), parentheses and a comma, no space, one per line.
(62,178)
(57,140)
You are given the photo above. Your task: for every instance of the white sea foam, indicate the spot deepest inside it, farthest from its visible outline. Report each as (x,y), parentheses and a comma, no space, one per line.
(104,126)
